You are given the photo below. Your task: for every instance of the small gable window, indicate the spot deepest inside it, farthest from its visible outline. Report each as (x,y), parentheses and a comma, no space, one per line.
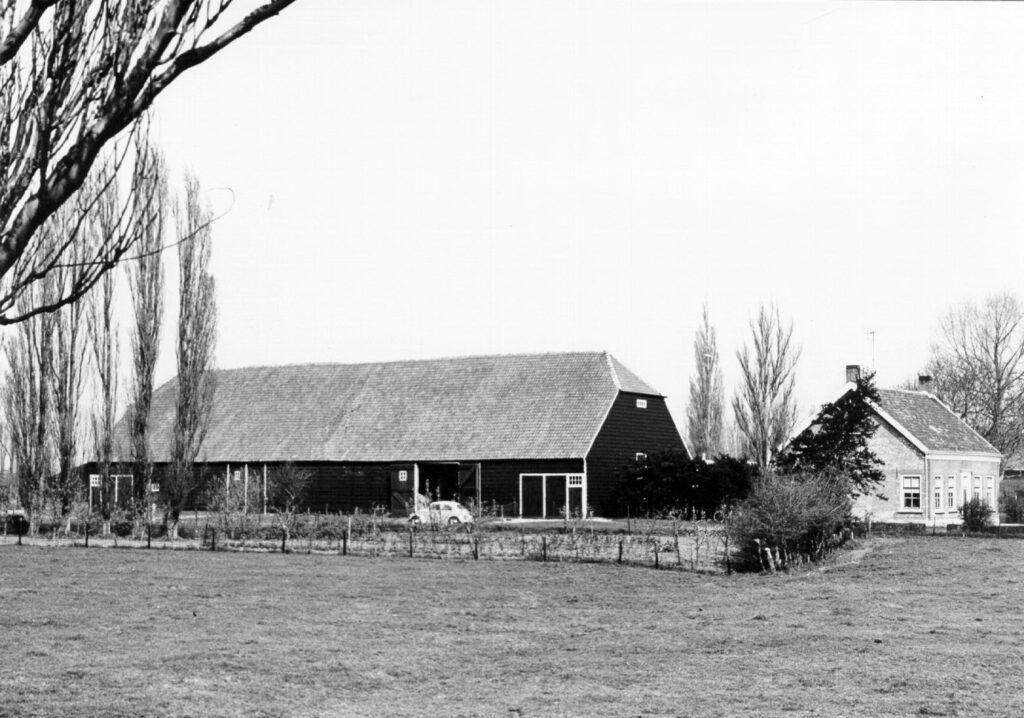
(641,403)
(912,492)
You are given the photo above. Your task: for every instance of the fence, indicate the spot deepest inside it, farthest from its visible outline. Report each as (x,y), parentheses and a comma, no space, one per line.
(695,548)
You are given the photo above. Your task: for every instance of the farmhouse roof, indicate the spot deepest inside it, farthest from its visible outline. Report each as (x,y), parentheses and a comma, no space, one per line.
(931,423)
(467,408)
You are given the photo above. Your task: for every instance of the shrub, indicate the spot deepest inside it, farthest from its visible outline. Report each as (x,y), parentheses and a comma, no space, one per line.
(976,514)
(789,519)
(1011,505)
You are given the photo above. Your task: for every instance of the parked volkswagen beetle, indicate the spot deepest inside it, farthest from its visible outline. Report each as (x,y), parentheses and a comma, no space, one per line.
(441,512)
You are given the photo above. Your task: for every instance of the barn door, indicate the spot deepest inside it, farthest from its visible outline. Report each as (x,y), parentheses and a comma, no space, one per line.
(469,484)
(400,480)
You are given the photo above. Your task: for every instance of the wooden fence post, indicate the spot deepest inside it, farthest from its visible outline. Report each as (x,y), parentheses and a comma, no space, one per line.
(213,540)
(620,550)
(544,548)
(476,549)
(284,541)
(656,563)
(410,540)
(149,534)
(86,535)
(344,543)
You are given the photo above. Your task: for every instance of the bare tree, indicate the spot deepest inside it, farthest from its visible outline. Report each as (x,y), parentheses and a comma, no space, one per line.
(977,367)
(103,341)
(287,488)
(197,332)
(27,399)
(764,406)
(704,413)
(146,282)
(65,376)
(74,75)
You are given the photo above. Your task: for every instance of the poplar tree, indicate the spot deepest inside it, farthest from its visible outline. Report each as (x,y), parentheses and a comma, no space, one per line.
(704,413)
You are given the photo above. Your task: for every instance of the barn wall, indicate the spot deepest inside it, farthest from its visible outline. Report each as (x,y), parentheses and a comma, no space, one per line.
(499,480)
(628,430)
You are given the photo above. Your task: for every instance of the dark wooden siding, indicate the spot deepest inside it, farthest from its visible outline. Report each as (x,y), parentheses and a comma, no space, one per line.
(500,480)
(628,430)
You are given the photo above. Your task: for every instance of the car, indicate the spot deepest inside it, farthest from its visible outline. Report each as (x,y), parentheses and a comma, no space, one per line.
(16,521)
(441,512)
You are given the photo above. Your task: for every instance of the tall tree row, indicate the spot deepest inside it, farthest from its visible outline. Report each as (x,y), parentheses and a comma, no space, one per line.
(704,413)
(197,332)
(146,285)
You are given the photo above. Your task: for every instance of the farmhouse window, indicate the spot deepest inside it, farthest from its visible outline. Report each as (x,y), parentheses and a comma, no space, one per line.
(937,492)
(977,488)
(950,491)
(912,492)
(990,492)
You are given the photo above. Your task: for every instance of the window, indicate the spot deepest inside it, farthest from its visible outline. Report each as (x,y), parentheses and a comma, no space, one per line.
(990,491)
(94,481)
(403,476)
(576,480)
(641,458)
(977,488)
(154,488)
(912,492)
(641,403)
(937,493)
(950,491)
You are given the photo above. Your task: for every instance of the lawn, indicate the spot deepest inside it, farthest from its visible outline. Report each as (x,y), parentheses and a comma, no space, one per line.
(918,626)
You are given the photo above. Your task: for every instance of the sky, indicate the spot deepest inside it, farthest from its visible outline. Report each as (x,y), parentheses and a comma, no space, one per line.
(402,180)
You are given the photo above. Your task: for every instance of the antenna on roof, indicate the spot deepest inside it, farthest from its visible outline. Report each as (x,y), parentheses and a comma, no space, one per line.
(873,332)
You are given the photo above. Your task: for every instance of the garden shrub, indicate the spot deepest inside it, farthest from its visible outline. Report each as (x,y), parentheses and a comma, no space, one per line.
(789,519)
(976,515)
(1011,506)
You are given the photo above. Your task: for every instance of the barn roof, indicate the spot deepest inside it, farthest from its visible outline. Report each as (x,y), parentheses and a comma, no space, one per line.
(482,407)
(932,423)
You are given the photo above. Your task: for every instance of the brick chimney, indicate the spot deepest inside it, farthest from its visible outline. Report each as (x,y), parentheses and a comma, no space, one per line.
(924,382)
(853,373)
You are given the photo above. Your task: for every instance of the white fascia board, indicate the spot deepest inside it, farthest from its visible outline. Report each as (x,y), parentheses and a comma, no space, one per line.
(899,427)
(953,456)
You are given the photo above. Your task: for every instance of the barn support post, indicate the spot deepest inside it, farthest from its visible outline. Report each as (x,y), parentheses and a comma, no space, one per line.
(245,505)
(227,486)
(264,489)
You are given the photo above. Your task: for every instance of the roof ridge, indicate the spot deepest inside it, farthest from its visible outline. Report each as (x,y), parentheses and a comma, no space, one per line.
(507,355)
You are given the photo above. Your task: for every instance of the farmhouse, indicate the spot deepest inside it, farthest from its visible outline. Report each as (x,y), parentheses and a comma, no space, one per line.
(523,435)
(933,461)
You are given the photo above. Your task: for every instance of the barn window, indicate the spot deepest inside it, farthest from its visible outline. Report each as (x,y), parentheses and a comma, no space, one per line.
(403,476)
(94,481)
(641,403)
(912,492)
(641,458)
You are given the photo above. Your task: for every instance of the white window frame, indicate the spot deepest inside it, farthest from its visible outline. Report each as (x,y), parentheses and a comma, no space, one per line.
(990,490)
(937,494)
(572,481)
(641,403)
(950,493)
(907,491)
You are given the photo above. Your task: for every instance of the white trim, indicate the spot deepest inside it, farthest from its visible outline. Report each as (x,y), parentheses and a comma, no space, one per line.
(604,419)
(544,490)
(611,368)
(949,456)
(899,427)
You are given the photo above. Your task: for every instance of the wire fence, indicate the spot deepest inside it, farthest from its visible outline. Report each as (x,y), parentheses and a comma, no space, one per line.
(702,547)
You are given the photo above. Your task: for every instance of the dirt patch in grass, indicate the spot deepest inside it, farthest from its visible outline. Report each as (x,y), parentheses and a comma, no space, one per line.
(921,626)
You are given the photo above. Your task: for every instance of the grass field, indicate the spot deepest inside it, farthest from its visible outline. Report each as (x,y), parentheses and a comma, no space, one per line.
(922,626)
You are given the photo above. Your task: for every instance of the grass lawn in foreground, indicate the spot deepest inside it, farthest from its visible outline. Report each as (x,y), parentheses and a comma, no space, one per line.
(921,626)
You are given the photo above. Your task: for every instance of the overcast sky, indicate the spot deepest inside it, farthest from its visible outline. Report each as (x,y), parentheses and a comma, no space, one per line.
(422,179)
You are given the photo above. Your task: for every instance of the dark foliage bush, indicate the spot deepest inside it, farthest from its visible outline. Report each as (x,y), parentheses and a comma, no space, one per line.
(789,519)
(672,481)
(976,515)
(1011,506)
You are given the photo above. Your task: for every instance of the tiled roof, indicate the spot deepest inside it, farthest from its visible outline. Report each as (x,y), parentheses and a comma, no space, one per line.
(469,408)
(932,423)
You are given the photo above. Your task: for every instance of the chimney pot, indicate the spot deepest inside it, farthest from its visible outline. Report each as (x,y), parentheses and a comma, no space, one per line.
(853,373)
(924,381)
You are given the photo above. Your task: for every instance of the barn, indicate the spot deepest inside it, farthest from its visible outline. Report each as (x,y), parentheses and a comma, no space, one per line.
(521,435)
